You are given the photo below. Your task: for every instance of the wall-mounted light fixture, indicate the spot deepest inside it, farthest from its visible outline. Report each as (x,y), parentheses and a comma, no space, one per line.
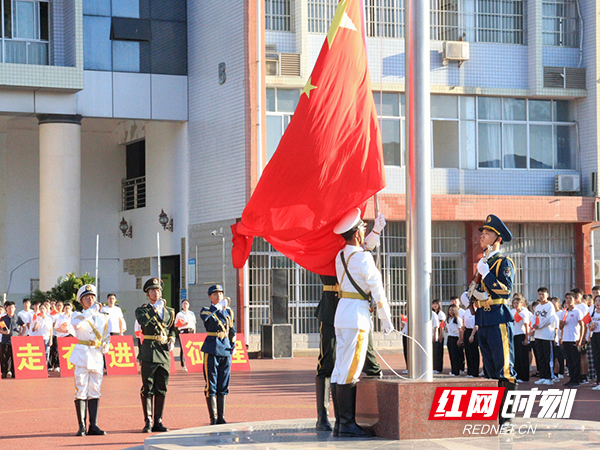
(164,221)
(126,229)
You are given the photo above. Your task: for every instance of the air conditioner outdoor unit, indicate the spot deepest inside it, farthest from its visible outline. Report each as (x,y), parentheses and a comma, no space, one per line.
(455,51)
(567,183)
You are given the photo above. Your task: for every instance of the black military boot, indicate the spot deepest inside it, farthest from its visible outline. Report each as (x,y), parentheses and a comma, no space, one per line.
(323,387)
(508,386)
(94,430)
(81,408)
(159,406)
(147,408)
(211,402)
(221,409)
(346,397)
(336,409)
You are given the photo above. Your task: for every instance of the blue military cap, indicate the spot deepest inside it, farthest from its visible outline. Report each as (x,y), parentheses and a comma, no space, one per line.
(215,288)
(496,225)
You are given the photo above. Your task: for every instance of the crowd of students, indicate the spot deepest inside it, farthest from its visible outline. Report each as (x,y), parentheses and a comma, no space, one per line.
(50,319)
(547,334)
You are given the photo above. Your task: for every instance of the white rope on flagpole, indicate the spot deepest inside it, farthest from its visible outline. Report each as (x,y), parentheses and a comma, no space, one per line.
(158,252)
(97,249)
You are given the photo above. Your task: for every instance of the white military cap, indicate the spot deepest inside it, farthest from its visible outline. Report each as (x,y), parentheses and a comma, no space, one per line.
(85,290)
(350,220)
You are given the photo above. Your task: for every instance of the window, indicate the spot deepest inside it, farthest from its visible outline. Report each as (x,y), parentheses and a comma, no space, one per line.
(390,109)
(560,23)
(544,255)
(134,186)
(320,15)
(25,37)
(385,18)
(278,15)
(281,104)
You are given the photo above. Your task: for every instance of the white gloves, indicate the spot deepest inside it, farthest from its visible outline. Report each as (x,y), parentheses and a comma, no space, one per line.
(234,350)
(171,345)
(379,223)
(464,299)
(105,348)
(91,310)
(223,304)
(483,268)
(387,326)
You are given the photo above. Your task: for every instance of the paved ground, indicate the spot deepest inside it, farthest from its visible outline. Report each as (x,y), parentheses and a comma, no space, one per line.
(39,414)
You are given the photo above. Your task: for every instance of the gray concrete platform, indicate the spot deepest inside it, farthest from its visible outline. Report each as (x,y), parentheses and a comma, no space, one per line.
(301,434)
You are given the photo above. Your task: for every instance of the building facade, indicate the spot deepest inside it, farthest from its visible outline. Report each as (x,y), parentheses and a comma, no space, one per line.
(113,112)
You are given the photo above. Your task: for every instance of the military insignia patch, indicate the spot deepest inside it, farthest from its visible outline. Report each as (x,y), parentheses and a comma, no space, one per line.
(155,281)
(507,272)
(88,287)
(489,219)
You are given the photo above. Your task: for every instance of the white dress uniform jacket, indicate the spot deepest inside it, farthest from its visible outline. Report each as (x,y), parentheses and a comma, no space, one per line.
(84,323)
(354,313)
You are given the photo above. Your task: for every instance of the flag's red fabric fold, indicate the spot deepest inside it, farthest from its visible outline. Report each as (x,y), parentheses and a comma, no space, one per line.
(328,161)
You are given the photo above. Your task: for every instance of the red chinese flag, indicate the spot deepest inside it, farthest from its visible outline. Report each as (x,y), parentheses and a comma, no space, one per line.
(537,321)
(518,317)
(329,160)
(587,318)
(179,323)
(403,318)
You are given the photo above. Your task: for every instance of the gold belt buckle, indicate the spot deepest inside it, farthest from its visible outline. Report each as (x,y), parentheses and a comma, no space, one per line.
(97,343)
(162,339)
(487,305)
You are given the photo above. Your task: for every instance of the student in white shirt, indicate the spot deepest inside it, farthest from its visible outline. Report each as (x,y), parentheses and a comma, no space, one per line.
(582,306)
(438,338)
(42,326)
(116,321)
(471,344)
(461,313)
(435,326)
(594,327)
(24,317)
(571,325)
(185,322)
(522,318)
(543,327)
(455,339)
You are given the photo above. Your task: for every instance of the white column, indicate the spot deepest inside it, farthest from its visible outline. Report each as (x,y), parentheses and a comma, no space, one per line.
(60,197)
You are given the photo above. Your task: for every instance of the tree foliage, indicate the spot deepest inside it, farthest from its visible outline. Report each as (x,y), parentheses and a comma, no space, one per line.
(66,289)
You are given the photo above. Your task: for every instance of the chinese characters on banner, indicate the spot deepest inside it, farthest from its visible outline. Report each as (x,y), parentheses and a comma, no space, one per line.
(120,359)
(192,343)
(65,347)
(29,356)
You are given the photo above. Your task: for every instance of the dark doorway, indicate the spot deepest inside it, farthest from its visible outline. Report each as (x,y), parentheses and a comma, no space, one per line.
(170,269)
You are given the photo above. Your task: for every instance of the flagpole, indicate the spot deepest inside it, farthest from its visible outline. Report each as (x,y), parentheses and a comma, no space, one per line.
(376,203)
(418,188)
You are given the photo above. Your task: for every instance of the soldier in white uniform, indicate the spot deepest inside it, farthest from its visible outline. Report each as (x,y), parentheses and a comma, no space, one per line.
(93,340)
(361,290)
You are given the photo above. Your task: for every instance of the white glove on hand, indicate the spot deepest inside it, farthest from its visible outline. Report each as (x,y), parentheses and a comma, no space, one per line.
(91,310)
(105,348)
(234,350)
(483,268)
(464,299)
(171,345)
(224,303)
(379,223)
(387,326)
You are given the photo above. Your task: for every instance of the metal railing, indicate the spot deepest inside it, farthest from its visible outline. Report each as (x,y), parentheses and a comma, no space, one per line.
(133,193)
(278,15)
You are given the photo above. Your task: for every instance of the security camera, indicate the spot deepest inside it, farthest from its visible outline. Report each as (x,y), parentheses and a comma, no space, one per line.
(213,232)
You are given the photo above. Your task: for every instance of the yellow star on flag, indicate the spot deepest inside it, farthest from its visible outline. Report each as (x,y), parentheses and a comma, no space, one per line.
(308,87)
(340,20)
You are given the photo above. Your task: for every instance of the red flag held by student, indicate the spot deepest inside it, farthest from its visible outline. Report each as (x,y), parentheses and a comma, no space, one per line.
(587,318)
(537,320)
(518,317)
(179,323)
(329,160)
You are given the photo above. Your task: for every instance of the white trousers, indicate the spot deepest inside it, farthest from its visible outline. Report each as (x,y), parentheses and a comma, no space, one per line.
(87,383)
(350,353)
